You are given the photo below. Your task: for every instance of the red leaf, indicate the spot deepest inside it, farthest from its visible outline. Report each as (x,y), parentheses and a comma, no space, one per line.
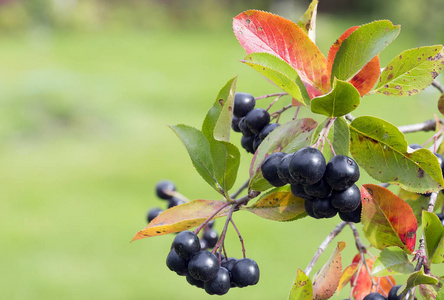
(388,220)
(335,47)
(259,31)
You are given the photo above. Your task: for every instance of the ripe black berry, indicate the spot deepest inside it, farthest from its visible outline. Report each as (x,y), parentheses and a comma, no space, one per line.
(354,216)
(341,172)
(219,284)
(244,128)
(152,213)
(267,129)
(195,282)
(203,265)
(186,244)
(319,189)
(176,263)
(307,166)
(283,173)
(211,237)
(256,142)
(174,202)
(392,294)
(235,124)
(245,272)
(164,189)
(298,191)
(309,209)
(374,296)
(269,168)
(415,146)
(247,143)
(257,119)
(347,200)
(322,208)
(243,104)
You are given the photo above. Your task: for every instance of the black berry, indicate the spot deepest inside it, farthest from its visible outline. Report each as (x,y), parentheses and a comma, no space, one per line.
(256,142)
(195,282)
(347,200)
(211,237)
(374,296)
(243,104)
(219,284)
(186,244)
(152,213)
(298,191)
(245,272)
(307,166)
(309,209)
(392,294)
(269,168)
(203,265)
(247,143)
(354,216)
(244,128)
(164,189)
(267,129)
(235,124)
(174,202)
(176,263)
(341,172)
(322,208)
(415,146)
(319,189)
(257,119)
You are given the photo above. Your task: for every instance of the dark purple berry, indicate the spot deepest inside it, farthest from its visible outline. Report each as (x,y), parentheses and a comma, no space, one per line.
(393,293)
(176,263)
(229,264)
(309,209)
(257,119)
(247,143)
(245,272)
(347,200)
(174,202)
(269,168)
(211,237)
(341,172)
(203,265)
(267,129)
(243,104)
(307,166)
(256,142)
(186,244)
(318,189)
(374,296)
(244,128)
(322,208)
(415,146)
(165,189)
(354,216)
(219,284)
(298,191)
(203,244)
(235,124)
(152,213)
(210,224)
(195,282)
(283,173)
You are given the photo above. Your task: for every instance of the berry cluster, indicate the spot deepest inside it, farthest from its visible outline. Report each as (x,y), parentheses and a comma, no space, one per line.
(391,296)
(165,190)
(327,189)
(203,268)
(254,123)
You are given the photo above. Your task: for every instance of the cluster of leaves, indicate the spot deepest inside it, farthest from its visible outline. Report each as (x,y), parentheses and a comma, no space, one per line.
(286,54)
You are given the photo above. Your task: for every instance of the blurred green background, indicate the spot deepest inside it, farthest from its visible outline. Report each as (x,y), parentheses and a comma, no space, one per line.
(87,89)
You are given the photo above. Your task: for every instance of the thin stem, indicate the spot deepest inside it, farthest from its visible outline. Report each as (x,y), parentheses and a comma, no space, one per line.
(198,229)
(178,195)
(241,188)
(324,245)
(331,146)
(385,185)
(240,237)
(356,278)
(220,242)
(296,113)
(434,138)
(362,250)
(324,132)
(273,102)
(280,111)
(432,201)
(427,125)
(271,95)
(349,117)
(438,86)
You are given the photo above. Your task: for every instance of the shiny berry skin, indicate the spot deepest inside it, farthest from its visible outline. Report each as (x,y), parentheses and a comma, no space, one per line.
(347,200)
(229,264)
(374,296)
(243,104)
(247,143)
(267,129)
(198,283)
(307,166)
(319,189)
(322,208)
(257,119)
(298,191)
(152,213)
(174,202)
(219,284)
(256,142)
(392,294)
(308,205)
(354,216)
(341,172)
(283,173)
(211,236)
(269,168)
(186,244)
(176,263)
(245,272)
(244,128)
(235,124)
(164,189)
(203,265)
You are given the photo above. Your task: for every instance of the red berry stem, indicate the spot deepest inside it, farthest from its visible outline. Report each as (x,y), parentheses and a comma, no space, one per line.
(324,132)
(273,102)
(271,95)
(198,229)
(362,250)
(240,237)
(331,146)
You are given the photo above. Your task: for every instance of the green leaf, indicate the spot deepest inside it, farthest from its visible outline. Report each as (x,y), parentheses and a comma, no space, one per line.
(411,71)
(308,20)
(341,100)
(183,217)
(288,138)
(280,73)
(428,292)
(415,279)
(278,205)
(302,288)
(433,233)
(339,136)
(392,261)
(440,295)
(199,149)
(361,46)
(381,149)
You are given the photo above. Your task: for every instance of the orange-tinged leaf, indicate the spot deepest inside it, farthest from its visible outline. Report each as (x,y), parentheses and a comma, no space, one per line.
(335,47)
(388,220)
(259,31)
(347,275)
(326,281)
(182,217)
(366,79)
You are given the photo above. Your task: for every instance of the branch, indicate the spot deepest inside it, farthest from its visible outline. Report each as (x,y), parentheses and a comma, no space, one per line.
(324,132)
(241,188)
(271,95)
(362,250)
(324,245)
(428,125)
(437,85)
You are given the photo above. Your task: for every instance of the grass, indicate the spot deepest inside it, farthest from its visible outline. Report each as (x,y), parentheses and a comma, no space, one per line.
(84,141)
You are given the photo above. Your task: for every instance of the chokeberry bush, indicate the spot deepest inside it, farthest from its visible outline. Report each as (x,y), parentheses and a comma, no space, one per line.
(300,167)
